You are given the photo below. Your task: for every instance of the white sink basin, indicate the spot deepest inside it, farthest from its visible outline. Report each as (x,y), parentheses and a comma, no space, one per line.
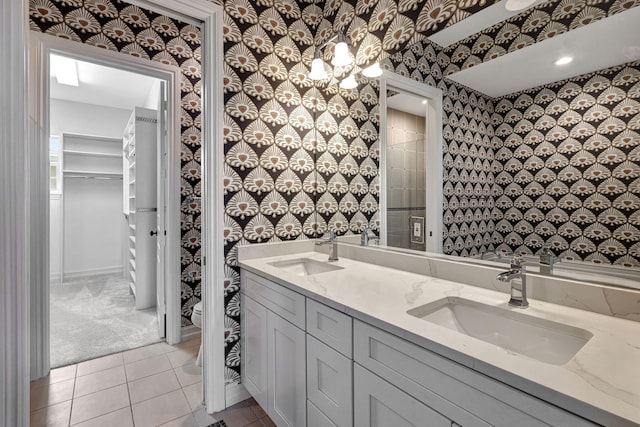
(539,339)
(305,266)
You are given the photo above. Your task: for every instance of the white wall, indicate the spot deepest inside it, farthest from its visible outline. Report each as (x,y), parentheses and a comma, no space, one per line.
(94,230)
(55,236)
(93,233)
(153,97)
(76,117)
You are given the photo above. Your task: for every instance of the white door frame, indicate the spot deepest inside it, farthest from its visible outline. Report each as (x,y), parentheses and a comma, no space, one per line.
(14,226)
(212,196)
(41,47)
(433,156)
(15,32)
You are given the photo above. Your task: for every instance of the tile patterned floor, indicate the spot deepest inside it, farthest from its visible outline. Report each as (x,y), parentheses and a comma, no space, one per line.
(156,385)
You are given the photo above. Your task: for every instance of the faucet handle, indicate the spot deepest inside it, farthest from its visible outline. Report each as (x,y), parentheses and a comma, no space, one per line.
(517,262)
(332,235)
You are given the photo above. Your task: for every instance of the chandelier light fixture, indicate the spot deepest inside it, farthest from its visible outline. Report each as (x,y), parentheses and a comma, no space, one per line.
(342,58)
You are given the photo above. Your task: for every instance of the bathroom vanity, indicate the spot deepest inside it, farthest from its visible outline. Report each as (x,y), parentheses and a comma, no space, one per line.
(390,342)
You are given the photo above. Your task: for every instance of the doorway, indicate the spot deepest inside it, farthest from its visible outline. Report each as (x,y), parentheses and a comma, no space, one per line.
(86,241)
(103,294)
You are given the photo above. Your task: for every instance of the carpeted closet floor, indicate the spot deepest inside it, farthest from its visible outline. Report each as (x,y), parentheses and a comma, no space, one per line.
(96,316)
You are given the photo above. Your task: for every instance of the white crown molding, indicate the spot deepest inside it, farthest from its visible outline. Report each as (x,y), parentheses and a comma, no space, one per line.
(14,232)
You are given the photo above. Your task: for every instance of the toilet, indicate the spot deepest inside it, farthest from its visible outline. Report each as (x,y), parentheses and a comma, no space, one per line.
(196,319)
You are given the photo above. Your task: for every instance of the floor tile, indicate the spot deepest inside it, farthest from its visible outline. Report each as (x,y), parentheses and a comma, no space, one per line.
(203,419)
(238,415)
(144,368)
(100,380)
(183,357)
(188,374)
(256,423)
(161,409)
(99,403)
(267,422)
(152,386)
(186,421)
(52,416)
(188,345)
(193,393)
(56,376)
(100,364)
(146,352)
(120,418)
(50,394)
(257,409)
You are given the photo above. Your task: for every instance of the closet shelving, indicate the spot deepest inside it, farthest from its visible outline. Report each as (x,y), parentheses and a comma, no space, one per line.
(139,145)
(91,168)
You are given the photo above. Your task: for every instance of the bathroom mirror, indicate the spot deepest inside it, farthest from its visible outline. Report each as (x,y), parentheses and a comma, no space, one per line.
(540,133)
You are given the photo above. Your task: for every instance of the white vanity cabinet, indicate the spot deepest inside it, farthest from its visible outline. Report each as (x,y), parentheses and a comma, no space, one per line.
(329,367)
(379,404)
(310,365)
(274,349)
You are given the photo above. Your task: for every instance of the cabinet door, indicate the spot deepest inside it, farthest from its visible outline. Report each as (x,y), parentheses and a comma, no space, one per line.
(286,372)
(329,382)
(254,349)
(379,404)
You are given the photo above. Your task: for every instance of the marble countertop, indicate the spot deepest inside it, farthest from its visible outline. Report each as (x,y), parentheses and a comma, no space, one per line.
(601,382)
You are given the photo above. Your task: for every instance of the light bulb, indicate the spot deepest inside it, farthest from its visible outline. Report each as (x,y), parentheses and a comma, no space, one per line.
(372,70)
(349,82)
(317,70)
(564,60)
(341,55)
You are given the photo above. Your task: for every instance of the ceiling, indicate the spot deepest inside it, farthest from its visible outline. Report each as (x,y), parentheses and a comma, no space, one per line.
(104,86)
(606,43)
(475,23)
(408,103)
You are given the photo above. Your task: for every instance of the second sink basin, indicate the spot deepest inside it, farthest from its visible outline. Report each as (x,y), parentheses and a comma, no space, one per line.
(305,266)
(539,339)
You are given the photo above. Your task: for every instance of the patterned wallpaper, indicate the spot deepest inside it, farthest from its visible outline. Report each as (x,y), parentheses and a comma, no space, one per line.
(545,21)
(570,168)
(120,27)
(302,157)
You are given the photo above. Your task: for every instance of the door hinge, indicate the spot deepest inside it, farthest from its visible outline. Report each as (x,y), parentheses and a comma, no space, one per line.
(204,260)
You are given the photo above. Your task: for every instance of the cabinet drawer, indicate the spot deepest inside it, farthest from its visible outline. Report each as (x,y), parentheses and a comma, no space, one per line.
(284,302)
(315,417)
(330,326)
(379,404)
(447,386)
(329,385)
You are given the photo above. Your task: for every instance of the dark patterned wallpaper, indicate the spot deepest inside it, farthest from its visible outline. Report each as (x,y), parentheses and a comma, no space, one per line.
(121,27)
(570,168)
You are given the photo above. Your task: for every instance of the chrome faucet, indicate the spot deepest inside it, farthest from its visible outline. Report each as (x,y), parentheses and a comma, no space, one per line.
(516,276)
(368,235)
(333,241)
(547,259)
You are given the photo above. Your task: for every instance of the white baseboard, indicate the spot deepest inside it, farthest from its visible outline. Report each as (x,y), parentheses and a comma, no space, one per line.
(93,272)
(235,393)
(189,332)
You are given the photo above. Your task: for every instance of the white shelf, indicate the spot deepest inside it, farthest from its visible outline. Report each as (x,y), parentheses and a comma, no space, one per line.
(91,154)
(77,173)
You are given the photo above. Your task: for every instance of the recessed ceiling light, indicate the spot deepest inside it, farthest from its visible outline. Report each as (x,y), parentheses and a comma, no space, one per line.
(517,5)
(564,60)
(424,102)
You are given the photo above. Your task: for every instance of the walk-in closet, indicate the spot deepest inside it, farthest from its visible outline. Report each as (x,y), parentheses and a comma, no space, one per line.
(103,207)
